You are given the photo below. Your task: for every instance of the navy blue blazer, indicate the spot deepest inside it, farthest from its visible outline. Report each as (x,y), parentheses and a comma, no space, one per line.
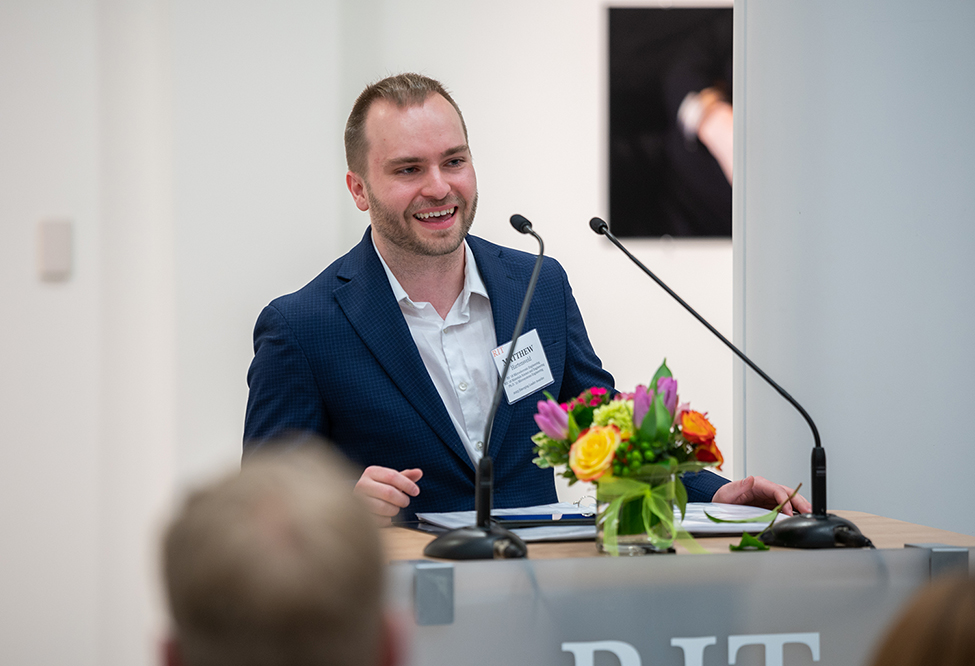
(337,358)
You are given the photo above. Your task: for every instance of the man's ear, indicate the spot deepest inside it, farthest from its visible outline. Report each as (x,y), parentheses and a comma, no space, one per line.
(357,186)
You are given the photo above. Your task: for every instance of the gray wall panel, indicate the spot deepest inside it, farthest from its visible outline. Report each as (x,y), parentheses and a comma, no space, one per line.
(854,238)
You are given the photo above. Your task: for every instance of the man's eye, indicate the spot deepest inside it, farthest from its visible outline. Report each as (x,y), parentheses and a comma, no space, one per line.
(408,171)
(457,161)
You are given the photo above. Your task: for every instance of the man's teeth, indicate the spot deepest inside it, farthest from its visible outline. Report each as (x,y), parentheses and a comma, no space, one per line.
(442,213)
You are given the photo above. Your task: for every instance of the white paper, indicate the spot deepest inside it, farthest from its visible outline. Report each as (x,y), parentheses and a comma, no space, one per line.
(695,522)
(455,519)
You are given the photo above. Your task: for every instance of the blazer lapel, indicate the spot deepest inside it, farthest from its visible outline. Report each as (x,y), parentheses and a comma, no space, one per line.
(368,302)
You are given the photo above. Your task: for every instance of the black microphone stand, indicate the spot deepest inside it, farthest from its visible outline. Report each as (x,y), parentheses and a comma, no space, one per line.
(486,539)
(808,530)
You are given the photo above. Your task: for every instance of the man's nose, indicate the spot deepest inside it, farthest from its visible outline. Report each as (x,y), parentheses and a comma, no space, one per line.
(435,186)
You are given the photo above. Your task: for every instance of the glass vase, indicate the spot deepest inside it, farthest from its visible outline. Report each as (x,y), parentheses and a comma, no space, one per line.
(635,517)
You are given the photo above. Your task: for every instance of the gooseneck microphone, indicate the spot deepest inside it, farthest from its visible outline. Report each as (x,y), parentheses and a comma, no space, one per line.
(811,530)
(485,539)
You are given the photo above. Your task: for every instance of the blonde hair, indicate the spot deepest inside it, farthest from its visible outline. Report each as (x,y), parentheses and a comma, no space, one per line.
(276,566)
(936,627)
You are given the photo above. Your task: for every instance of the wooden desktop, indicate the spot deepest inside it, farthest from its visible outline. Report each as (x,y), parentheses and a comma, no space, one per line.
(407,544)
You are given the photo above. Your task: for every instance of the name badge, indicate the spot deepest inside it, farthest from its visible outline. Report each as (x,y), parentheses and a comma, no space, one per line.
(529,371)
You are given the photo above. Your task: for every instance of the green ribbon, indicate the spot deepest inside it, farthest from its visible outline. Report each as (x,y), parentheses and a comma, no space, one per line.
(659,485)
(656,515)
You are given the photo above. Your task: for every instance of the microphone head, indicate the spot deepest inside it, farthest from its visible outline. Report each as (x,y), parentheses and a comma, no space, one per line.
(598,225)
(521,223)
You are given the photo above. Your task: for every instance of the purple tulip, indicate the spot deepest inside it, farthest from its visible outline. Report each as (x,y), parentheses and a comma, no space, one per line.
(552,419)
(668,386)
(642,399)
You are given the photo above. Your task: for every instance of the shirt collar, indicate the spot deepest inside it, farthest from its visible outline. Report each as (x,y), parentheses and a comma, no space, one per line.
(473,284)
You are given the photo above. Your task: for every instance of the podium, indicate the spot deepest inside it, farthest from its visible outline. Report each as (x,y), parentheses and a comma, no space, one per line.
(568,606)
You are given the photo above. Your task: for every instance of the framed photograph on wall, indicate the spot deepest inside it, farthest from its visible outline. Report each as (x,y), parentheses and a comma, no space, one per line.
(670,83)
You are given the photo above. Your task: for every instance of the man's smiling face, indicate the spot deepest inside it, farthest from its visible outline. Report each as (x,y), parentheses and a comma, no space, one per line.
(420,188)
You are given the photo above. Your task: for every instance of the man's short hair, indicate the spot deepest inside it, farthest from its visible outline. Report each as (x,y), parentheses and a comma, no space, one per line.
(404,90)
(277,565)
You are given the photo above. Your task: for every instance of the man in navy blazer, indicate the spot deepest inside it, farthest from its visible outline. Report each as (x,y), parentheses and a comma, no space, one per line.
(388,351)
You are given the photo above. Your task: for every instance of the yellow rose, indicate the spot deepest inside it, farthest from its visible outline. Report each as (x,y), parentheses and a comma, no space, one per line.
(593,453)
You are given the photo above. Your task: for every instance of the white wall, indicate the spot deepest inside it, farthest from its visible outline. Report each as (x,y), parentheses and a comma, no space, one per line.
(197,148)
(136,345)
(854,244)
(49,336)
(257,185)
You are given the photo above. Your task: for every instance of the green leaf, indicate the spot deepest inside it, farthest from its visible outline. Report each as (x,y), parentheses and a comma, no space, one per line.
(662,417)
(574,429)
(631,520)
(583,419)
(748,542)
(662,371)
(648,429)
(680,496)
(770,516)
(765,517)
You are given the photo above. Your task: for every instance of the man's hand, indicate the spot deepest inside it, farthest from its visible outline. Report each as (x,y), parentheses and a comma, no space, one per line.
(758,491)
(385,491)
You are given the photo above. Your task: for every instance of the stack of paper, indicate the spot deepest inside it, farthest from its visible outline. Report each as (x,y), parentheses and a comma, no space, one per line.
(694,521)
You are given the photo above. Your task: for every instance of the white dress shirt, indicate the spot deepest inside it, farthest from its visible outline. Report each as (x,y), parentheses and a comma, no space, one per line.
(456,351)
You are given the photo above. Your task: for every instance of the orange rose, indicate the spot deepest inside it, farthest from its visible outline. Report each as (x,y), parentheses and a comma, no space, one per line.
(709,453)
(592,454)
(696,428)
(699,431)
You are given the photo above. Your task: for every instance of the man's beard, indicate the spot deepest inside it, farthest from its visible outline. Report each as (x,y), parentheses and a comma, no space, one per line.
(398,229)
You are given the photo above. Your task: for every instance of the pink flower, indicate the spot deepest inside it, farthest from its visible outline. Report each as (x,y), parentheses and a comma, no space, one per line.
(552,419)
(597,395)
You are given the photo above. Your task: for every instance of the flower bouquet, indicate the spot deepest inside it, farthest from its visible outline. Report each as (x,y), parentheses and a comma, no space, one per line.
(634,447)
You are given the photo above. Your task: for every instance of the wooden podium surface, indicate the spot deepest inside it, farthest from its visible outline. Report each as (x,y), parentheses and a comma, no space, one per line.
(406,544)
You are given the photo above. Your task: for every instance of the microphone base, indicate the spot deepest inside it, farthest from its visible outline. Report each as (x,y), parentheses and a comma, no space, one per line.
(477,543)
(810,530)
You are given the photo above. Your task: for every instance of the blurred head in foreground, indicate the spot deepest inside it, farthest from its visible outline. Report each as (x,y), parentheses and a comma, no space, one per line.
(278,565)
(936,627)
